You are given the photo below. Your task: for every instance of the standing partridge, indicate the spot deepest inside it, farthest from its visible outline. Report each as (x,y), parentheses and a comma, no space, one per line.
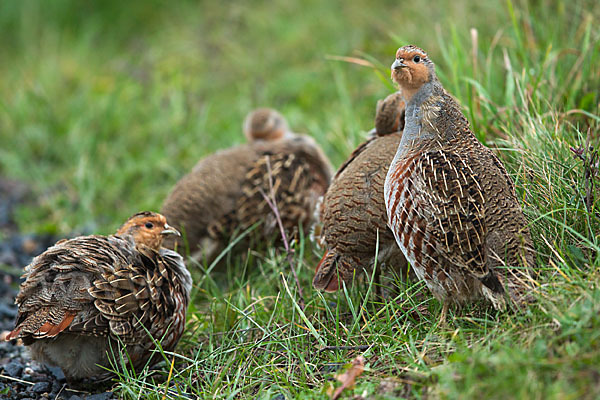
(85,297)
(225,192)
(352,214)
(450,203)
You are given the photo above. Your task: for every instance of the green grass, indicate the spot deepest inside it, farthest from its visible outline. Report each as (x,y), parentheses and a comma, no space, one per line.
(103,106)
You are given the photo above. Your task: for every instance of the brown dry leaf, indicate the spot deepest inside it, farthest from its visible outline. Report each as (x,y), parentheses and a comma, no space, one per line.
(348,377)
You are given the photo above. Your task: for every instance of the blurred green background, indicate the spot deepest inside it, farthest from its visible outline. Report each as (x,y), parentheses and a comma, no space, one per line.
(104,105)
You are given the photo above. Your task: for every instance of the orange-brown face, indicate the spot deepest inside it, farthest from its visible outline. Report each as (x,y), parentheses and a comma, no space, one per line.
(147,228)
(410,69)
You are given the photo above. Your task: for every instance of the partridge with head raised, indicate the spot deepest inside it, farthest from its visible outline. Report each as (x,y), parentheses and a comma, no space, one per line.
(84,297)
(450,202)
(352,214)
(225,192)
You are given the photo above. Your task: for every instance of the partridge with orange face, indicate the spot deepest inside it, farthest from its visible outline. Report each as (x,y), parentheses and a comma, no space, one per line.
(85,297)
(352,216)
(225,192)
(450,202)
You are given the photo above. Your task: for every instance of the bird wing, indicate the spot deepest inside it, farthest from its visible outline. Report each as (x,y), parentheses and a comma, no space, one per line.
(358,151)
(448,197)
(287,175)
(320,210)
(54,295)
(139,298)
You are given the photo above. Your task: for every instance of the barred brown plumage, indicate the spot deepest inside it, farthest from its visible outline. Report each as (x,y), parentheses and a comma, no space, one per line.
(352,213)
(84,297)
(224,193)
(450,202)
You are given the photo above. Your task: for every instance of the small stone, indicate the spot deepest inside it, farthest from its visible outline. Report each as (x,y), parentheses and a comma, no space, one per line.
(41,387)
(34,377)
(74,397)
(13,369)
(57,373)
(56,387)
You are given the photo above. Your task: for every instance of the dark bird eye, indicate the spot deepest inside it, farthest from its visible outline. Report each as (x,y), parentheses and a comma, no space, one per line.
(416,59)
(149,225)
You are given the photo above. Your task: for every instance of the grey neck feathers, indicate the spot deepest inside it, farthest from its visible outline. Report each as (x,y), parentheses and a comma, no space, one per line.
(413,129)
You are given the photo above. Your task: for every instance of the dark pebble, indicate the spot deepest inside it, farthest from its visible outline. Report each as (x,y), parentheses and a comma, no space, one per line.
(41,387)
(57,373)
(13,369)
(101,396)
(35,377)
(56,386)
(74,397)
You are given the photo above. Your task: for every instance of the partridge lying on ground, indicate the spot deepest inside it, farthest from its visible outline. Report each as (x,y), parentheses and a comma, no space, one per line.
(225,192)
(451,204)
(352,213)
(85,296)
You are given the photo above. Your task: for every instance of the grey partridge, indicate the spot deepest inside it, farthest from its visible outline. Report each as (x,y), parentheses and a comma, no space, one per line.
(352,215)
(85,297)
(450,202)
(225,192)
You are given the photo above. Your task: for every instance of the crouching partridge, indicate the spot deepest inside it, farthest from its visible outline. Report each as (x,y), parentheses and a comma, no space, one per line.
(352,215)
(450,203)
(225,192)
(85,297)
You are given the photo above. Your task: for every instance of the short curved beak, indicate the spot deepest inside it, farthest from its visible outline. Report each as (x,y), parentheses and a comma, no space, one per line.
(398,64)
(169,230)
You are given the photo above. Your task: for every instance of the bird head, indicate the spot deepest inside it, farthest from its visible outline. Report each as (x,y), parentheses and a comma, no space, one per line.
(389,117)
(147,228)
(411,69)
(265,124)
